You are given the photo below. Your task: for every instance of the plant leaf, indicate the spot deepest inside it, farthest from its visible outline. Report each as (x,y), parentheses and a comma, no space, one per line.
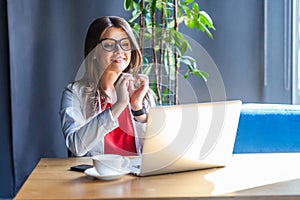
(186,75)
(189,57)
(186,10)
(189,22)
(206,20)
(183,47)
(185,61)
(152,85)
(128,4)
(147,69)
(200,73)
(204,29)
(187,2)
(195,7)
(135,16)
(165,95)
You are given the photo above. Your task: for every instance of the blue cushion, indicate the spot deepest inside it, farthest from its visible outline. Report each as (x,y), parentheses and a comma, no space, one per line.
(268,128)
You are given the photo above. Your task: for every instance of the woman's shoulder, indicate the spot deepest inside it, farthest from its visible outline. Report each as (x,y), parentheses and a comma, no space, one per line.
(75,87)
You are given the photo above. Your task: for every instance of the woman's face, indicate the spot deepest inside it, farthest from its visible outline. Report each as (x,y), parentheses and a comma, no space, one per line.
(114,52)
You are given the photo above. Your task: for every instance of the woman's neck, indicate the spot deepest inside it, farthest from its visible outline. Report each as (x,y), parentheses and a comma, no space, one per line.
(107,84)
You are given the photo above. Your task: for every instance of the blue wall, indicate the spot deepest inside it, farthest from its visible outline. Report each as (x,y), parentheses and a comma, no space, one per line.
(238,50)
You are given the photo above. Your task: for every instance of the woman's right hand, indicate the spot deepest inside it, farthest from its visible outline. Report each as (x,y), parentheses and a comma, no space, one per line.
(122,88)
(122,92)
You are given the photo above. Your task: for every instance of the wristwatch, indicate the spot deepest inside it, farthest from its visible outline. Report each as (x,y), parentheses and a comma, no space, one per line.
(137,113)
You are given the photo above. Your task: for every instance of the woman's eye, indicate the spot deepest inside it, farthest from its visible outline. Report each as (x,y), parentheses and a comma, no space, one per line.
(126,45)
(109,46)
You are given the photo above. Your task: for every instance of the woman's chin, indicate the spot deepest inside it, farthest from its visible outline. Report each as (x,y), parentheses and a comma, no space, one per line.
(118,66)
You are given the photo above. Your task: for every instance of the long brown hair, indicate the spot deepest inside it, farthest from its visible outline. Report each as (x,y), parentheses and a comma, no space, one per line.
(93,92)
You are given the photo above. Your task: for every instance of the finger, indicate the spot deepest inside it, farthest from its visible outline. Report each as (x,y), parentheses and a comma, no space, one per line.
(125,83)
(131,87)
(127,75)
(124,77)
(143,79)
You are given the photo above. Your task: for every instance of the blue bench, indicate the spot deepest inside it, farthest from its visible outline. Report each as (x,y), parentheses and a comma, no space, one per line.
(268,128)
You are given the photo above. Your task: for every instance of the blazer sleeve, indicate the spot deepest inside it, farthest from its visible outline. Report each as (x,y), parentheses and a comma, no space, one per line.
(141,128)
(81,134)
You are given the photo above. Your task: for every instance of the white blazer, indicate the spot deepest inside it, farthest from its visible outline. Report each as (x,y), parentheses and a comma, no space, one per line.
(85,135)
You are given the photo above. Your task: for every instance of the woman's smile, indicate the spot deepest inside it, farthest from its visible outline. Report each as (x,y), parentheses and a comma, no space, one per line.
(119,59)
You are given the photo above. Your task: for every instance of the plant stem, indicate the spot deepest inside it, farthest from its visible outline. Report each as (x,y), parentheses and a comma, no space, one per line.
(169,76)
(161,53)
(176,55)
(142,23)
(155,60)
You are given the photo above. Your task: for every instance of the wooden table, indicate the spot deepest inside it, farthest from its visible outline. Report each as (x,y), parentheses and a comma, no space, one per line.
(247,176)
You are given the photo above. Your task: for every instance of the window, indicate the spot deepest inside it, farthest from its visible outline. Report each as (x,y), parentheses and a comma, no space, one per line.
(296,52)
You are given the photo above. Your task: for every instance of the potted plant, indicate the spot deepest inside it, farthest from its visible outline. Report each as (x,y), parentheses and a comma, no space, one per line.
(163,47)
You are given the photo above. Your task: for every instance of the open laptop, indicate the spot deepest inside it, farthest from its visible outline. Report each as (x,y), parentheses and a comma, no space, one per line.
(188,137)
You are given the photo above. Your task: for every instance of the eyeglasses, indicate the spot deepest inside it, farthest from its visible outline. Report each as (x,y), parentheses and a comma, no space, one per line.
(110,44)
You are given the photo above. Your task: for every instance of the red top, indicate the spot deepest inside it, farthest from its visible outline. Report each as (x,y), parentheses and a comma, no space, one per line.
(121,140)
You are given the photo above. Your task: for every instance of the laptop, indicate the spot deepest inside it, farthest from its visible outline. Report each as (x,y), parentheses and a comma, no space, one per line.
(188,137)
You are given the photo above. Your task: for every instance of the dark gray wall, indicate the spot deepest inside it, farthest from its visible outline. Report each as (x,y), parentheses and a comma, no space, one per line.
(238,50)
(45,42)
(278,80)
(6,166)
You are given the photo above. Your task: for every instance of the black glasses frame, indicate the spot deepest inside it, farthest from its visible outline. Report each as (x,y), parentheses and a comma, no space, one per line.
(117,42)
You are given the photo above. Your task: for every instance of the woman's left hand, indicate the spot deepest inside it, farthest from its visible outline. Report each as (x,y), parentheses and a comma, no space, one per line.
(138,89)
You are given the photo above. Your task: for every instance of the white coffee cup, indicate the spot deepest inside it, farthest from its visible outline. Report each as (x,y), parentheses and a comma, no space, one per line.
(110,163)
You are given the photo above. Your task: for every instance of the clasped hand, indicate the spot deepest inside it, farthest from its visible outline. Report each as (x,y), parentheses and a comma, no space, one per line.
(132,90)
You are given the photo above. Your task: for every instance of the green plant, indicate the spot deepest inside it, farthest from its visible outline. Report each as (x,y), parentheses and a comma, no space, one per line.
(163,47)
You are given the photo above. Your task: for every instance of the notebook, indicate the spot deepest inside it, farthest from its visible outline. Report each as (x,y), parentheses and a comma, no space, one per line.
(188,137)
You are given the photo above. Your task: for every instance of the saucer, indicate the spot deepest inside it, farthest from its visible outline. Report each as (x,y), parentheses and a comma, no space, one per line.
(93,173)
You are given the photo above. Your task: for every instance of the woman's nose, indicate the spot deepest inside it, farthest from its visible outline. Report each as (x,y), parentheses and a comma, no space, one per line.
(118,48)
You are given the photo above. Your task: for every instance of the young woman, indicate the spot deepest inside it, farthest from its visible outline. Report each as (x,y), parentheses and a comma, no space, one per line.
(106,110)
